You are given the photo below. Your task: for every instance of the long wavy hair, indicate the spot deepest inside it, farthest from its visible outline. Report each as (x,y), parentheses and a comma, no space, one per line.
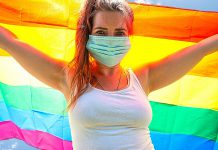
(79,69)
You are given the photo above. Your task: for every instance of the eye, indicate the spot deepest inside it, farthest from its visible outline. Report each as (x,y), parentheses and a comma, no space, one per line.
(100,32)
(120,33)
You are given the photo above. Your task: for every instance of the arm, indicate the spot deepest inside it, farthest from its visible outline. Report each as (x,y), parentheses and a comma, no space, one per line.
(44,68)
(173,67)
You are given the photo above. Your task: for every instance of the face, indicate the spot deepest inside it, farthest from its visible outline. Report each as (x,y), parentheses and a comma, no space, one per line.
(109,23)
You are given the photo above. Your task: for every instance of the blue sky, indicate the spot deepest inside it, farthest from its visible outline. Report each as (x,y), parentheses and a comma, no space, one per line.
(205,5)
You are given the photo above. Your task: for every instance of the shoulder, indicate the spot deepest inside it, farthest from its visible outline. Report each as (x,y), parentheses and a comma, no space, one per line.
(142,73)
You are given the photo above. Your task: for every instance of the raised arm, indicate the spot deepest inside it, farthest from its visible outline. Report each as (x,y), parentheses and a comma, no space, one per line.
(159,74)
(173,67)
(46,69)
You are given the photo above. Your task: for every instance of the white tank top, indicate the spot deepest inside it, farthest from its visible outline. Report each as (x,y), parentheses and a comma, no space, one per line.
(112,120)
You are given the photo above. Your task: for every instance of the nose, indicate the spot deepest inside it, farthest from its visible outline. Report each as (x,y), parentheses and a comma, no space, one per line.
(110,33)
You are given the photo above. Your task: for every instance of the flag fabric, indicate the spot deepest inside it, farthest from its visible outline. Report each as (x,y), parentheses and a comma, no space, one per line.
(185,113)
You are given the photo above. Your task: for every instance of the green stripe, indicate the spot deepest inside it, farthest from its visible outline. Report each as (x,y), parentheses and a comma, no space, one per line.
(166,118)
(43,99)
(1,95)
(184,120)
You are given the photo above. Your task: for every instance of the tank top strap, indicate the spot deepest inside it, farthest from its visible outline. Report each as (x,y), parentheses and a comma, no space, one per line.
(135,81)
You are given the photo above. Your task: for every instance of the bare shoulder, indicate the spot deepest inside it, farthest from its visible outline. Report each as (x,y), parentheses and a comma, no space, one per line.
(142,75)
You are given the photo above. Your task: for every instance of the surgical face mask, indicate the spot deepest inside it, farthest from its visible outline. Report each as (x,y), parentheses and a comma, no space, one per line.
(108,50)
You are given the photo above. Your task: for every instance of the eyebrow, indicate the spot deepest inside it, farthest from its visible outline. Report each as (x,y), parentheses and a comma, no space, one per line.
(119,29)
(100,28)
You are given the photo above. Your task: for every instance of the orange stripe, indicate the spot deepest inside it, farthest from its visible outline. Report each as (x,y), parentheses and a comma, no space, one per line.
(152,21)
(174,23)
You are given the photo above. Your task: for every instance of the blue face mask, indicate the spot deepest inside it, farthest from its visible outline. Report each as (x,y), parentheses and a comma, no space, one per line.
(108,50)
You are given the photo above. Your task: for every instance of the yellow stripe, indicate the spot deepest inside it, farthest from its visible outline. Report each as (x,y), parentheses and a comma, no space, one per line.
(146,49)
(55,42)
(59,43)
(192,91)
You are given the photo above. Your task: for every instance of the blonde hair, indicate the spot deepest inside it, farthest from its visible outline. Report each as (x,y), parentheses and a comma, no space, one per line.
(79,73)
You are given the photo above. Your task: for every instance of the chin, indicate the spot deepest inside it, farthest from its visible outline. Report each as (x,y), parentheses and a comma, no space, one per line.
(104,66)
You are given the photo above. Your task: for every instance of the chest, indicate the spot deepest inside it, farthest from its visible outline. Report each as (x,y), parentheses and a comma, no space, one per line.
(95,110)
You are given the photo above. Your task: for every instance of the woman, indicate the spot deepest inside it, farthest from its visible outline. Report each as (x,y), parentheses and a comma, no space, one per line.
(107,104)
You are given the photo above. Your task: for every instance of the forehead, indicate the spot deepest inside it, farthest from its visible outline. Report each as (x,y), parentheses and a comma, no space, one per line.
(109,19)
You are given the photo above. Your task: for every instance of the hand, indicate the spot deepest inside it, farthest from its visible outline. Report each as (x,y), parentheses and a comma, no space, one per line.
(5,37)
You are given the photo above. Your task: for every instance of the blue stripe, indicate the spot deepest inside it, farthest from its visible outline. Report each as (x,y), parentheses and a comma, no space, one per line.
(163,141)
(15,144)
(202,5)
(56,125)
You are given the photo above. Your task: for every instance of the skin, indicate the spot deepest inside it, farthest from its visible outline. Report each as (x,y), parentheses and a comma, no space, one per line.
(102,26)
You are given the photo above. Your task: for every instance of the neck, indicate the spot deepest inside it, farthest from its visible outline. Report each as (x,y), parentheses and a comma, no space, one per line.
(103,70)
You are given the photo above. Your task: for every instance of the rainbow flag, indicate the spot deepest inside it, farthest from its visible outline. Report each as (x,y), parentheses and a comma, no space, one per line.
(185,113)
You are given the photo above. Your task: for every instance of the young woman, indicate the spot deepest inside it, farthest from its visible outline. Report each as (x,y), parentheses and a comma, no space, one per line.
(107,104)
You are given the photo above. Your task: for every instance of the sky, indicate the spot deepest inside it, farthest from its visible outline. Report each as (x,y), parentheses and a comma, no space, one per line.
(203,5)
